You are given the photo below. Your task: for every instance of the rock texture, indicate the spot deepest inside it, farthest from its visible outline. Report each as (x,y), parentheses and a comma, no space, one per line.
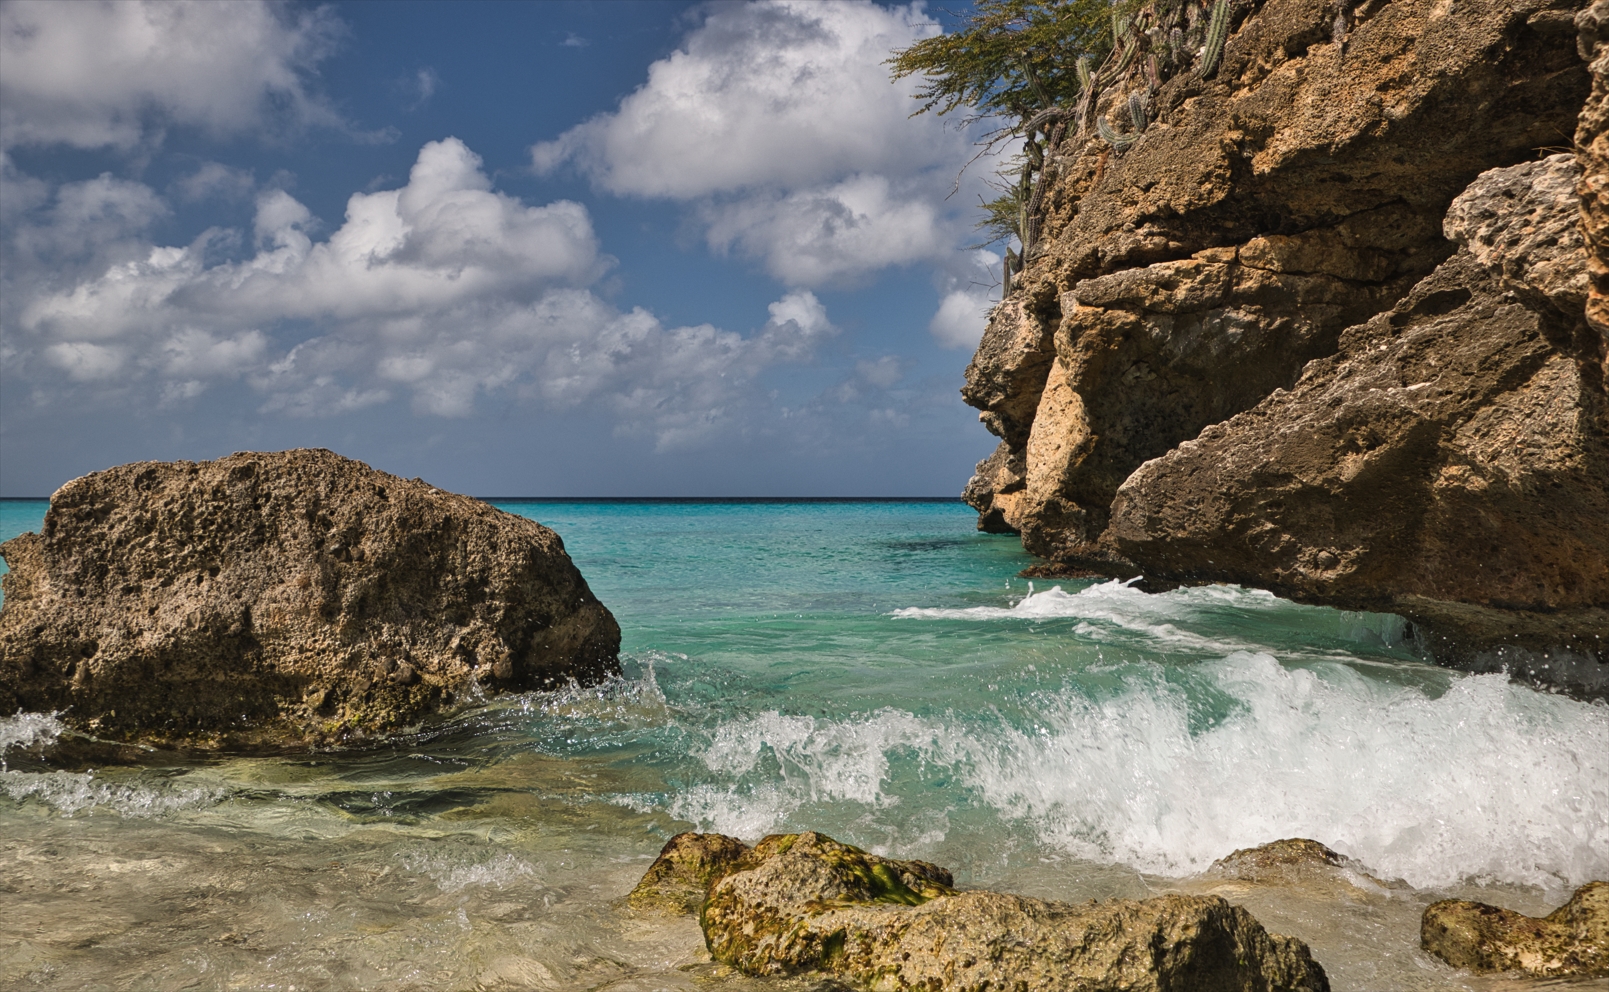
(679,880)
(1592,150)
(1450,463)
(805,903)
(1341,261)
(1572,941)
(283,598)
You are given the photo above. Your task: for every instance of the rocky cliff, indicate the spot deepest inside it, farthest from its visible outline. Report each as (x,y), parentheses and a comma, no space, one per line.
(1331,325)
(280,598)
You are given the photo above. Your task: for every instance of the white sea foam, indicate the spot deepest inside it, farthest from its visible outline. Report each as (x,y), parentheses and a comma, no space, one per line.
(454,872)
(72,793)
(28,730)
(1156,616)
(1488,781)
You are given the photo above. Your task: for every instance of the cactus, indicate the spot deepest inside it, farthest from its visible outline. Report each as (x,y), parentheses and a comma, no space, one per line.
(1153,72)
(1217,32)
(1118,141)
(1137,112)
(1083,72)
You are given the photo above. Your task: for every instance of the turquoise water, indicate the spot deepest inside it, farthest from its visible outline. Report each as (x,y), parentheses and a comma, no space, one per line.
(873,670)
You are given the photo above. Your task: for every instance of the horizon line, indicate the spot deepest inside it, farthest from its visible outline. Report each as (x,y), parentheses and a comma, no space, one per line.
(657,499)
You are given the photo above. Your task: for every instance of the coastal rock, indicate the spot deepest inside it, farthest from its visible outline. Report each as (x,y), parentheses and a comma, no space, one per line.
(1297,192)
(1592,151)
(1316,332)
(679,880)
(283,598)
(1572,941)
(809,904)
(1450,463)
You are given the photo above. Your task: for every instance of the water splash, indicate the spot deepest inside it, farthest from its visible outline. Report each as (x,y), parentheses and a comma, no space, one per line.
(1487,781)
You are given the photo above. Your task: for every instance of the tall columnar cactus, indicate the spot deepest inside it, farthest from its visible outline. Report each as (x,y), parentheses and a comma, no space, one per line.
(1217,32)
(1083,72)
(1137,113)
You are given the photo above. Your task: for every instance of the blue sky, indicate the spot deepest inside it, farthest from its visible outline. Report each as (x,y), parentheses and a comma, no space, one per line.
(514,248)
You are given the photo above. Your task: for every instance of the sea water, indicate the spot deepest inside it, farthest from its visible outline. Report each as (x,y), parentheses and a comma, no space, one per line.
(873,670)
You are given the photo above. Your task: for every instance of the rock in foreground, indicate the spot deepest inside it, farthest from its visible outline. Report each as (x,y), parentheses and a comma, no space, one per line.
(802,903)
(283,598)
(1571,941)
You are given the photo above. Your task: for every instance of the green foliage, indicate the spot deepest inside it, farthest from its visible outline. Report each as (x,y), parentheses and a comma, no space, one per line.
(1002,216)
(1014,57)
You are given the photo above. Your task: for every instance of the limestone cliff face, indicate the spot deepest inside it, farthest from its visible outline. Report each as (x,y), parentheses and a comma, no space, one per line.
(1294,252)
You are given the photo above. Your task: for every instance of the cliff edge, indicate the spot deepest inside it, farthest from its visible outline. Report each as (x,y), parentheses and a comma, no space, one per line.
(1330,321)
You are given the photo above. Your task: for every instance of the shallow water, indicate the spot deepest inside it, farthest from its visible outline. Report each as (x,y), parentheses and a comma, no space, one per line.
(872,670)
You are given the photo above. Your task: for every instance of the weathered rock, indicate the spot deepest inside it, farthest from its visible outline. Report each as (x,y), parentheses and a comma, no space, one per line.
(1450,463)
(1592,151)
(679,880)
(1279,858)
(1571,941)
(283,598)
(810,904)
(1298,191)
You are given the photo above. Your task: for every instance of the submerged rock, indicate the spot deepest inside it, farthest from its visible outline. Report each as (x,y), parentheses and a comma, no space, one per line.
(679,880)
(283,598)
(1571,941)
(804,903)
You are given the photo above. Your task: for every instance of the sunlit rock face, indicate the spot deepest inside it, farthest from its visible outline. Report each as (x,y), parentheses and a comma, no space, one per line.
(1311,252)
(1572,941)
(281,598)
(807,904)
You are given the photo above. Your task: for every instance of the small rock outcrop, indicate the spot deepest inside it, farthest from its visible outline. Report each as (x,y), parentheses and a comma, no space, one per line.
(679,880)
(1572,941)
(283,598)
(804,903)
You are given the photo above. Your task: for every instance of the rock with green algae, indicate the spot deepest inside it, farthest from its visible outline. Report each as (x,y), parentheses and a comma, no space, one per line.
(1572,941)
(680,878)
(806,903)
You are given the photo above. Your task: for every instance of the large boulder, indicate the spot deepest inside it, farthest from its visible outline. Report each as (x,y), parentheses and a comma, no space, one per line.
(804,903)
(283,598)
(1572,941)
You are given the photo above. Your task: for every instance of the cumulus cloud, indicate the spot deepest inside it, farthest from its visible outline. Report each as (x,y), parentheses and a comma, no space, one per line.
(114,73)
(443,291)
(779,122)
(785,93)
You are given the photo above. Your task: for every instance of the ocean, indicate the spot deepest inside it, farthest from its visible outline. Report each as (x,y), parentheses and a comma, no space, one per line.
(875,670)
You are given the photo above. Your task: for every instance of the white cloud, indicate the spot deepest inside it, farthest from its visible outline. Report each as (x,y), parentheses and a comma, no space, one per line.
(786,93)
(444,290)
(838,233)
(214,180)
(970,288)
(114,73)
(84,360)
(779,121)
(443,239)
(961,319)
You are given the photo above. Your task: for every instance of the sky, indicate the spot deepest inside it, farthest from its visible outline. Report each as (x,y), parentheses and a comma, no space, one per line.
(517,249)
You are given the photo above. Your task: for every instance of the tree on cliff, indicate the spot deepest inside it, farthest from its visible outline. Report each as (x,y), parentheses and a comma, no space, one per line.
(1032,65)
